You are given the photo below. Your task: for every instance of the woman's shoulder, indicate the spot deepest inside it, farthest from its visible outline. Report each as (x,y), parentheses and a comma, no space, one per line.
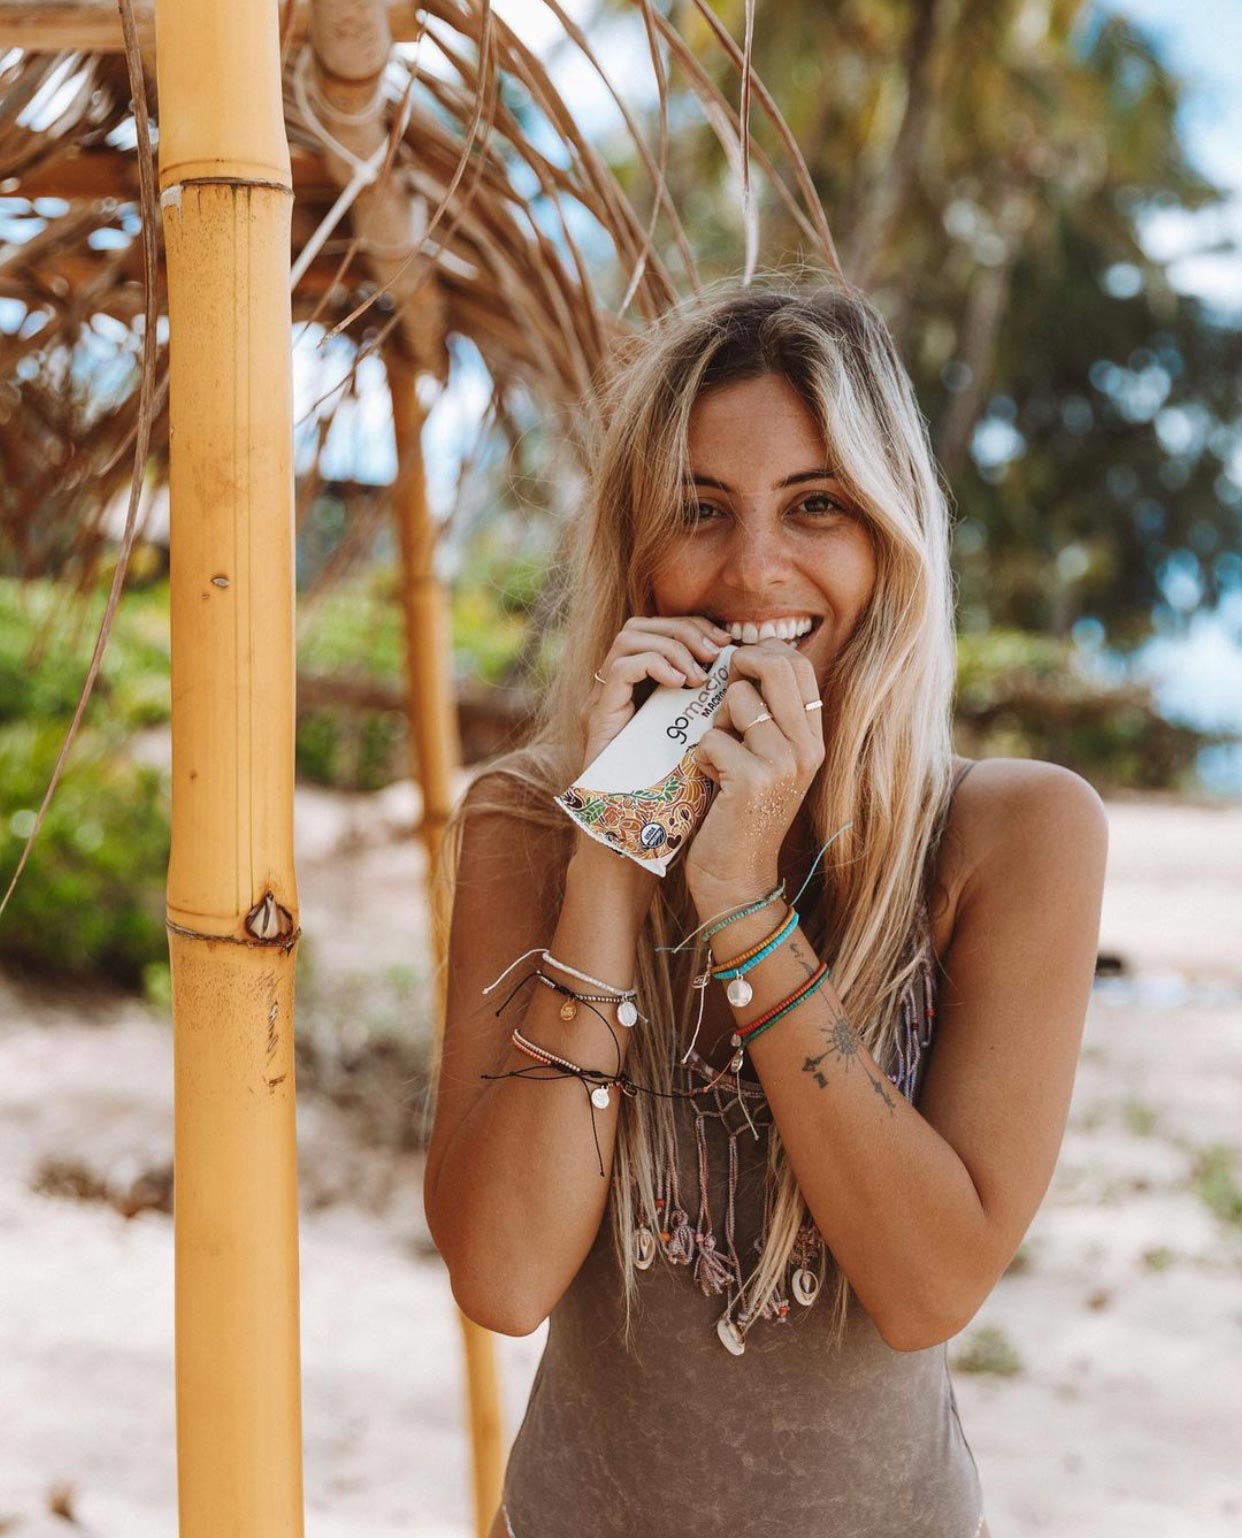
(521,781)
(1000,805)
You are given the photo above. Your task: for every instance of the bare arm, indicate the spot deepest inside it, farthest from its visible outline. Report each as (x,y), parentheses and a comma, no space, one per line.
(925,1208)
(512,1187)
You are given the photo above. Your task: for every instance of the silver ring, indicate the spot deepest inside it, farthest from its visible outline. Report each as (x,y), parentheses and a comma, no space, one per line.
(814,705)
(599,679)
(764,717)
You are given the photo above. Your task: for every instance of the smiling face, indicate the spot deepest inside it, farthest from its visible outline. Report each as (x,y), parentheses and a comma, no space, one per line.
(771,538)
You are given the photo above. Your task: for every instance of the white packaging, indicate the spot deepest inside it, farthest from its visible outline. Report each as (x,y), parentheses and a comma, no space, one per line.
(645,794)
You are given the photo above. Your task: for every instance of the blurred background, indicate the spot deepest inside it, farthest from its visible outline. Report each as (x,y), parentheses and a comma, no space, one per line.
(1045,198)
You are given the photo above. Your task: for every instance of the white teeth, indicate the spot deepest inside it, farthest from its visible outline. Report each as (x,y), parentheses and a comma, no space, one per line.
(782,629)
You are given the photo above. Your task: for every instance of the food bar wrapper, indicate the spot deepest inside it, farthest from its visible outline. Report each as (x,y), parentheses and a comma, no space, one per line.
(645,794)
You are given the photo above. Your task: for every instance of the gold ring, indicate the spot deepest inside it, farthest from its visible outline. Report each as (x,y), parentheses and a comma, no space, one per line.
(814,705)
(599,679)
(764,717)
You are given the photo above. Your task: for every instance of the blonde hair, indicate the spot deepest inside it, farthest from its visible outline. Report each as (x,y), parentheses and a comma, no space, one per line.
(887,700)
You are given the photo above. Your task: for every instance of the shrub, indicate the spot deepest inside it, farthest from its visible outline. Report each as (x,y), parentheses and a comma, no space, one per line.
(90,902)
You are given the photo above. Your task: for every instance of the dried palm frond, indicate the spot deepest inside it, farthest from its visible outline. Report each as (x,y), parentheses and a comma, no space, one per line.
(512,184)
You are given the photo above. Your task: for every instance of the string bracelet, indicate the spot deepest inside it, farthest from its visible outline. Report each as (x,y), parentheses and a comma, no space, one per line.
(777,892)
(569,1009)
(739,990)
(823,850)
(599,1096)
(627,1008)
(745,1035)
(563,1069)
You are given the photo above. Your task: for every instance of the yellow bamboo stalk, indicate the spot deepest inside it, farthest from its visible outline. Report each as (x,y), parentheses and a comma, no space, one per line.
(232,898)
(436,752)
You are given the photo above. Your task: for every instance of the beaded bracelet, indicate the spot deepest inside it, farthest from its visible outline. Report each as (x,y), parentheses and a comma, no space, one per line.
(569,1009)
(624,998)
(739,991)
(743,1037)
(777,891)
(599,1095)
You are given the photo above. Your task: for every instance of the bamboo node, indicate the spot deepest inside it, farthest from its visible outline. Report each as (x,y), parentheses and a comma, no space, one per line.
(267,920)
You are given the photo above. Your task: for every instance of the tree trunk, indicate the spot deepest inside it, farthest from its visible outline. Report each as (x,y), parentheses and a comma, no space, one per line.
(893,181)
(232,902)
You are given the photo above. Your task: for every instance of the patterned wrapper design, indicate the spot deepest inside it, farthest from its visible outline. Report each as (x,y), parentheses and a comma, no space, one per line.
(650,825)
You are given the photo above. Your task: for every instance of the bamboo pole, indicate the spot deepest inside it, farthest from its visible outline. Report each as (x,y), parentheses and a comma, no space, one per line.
(232,895)
(436,751)
(351,44)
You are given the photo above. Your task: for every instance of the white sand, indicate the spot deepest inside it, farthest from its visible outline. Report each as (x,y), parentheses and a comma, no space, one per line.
(1124,1419)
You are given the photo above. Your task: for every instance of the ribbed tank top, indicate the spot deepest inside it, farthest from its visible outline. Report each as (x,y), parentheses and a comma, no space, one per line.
(676,1437)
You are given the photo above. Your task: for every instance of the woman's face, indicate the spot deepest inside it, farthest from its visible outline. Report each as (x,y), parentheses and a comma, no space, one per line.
(770,536)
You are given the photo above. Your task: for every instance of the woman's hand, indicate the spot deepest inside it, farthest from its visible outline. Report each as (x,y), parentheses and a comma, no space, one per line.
(663,648)
(763,772)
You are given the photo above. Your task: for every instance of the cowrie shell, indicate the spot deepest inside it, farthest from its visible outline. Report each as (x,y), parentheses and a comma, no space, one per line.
(805,1285)
(644,1248)
(729,1337)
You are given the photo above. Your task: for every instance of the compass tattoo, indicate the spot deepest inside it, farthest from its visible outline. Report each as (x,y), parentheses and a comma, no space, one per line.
(843,1042)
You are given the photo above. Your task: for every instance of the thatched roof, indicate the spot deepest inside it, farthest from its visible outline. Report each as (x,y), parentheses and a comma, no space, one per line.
(491,154)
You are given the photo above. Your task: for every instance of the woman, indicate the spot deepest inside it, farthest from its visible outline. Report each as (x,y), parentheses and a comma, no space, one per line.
(749,1312)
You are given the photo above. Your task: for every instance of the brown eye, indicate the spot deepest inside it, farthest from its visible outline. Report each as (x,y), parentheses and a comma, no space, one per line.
(821,504)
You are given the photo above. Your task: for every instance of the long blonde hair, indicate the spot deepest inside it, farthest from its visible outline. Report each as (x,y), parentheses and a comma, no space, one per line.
(887,700)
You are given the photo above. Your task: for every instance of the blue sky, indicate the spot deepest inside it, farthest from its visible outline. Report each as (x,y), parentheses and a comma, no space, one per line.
(1202,41)
(1198,675)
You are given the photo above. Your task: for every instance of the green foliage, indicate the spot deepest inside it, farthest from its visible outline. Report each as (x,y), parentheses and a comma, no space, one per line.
(45,650)
(988,1350)
(1139,1117)
(1216,1182)
(1159,1258)
(351,749)
(354,629)
(1023,695)
(90,902)
(354,635)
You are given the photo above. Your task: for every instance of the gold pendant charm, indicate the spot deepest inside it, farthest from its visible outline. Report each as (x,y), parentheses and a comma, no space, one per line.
(569,1009)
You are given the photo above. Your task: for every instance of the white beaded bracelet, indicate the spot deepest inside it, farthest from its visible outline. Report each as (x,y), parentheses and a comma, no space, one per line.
(627,1009)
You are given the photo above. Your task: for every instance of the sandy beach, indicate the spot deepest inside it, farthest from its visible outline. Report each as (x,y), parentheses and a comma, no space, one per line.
(1100,1385)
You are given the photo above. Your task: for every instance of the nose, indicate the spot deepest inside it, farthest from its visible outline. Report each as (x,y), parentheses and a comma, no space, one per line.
(754,559)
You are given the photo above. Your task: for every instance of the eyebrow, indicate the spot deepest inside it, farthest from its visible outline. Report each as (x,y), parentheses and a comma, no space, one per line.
(796,479)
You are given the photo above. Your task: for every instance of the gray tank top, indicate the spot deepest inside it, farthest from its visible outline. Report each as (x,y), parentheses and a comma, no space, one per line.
(677,1437)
